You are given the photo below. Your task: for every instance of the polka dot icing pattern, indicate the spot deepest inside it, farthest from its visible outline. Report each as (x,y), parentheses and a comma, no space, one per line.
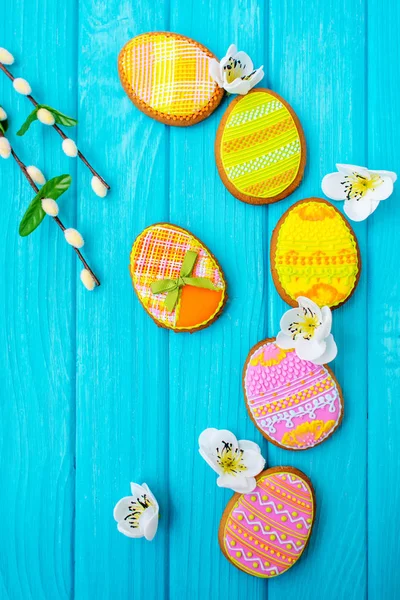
(293,402)
(265,532)
(314,253)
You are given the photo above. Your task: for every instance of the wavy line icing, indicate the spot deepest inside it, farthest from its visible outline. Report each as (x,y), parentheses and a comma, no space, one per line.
(266,531)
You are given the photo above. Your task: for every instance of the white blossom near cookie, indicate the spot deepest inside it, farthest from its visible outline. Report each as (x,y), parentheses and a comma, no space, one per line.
(45,114)
(307,329)
(137,515)
(361,189)
(237,462)
(235,72)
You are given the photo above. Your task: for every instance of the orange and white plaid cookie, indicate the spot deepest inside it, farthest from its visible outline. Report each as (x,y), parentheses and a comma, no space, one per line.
(176,278)
(166,76)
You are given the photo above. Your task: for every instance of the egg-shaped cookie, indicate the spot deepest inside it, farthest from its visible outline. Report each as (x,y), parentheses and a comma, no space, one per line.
(293,402)
(264,533)
(314,253)
(166,76)
(260,148)
(176,278)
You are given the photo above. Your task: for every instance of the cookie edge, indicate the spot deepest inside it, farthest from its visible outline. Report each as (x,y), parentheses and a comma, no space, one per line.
(159,323)
(248,199)
(236,496)
(272,252)
(274,442)
(155,114)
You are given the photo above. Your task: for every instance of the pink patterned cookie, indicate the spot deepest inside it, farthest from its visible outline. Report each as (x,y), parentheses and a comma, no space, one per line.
(265,532)
(293,402)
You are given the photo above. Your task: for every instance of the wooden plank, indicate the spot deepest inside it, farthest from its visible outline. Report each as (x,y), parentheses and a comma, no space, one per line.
(316,61)
(37,322)
(383,307)
(205,367)
(122,357)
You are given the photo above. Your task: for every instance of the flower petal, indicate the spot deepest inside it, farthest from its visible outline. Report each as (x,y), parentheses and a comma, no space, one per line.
(137,490)
(253,461)
(150,495)
(330,352)
(293,315)
(283,341)
(383,190)
(358,210)
(309,306)
(248,445)
(232,50)
(324,330)
(332,186)
(257,76)
(238,86)
(206,437)
(214,71)
(149,523)
(310,349)
(126,529)
(121,509)
(391,174)
(210,460)
(242,485)
(245,60)
(351,169)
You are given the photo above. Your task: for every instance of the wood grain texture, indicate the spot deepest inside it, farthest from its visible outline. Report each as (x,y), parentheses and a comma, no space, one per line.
(94,395)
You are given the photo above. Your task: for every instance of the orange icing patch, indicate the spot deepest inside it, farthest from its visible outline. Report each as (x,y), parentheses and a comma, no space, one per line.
(312,212)
(197,305)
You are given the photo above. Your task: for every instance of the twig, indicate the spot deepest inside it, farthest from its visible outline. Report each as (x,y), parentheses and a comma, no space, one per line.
(56,219)
(59,131)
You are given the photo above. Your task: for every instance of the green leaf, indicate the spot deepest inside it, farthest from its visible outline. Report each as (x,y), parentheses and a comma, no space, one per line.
(3,126)
(35,214)
(32,117)
(60,118)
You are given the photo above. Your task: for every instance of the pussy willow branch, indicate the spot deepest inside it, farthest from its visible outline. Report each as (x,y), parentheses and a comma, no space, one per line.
(56,219)
(59,131)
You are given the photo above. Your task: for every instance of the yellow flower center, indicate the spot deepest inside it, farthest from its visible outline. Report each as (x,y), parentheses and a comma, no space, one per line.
(356,185)
(230,461)
(306,326)
(234,69)
(136,509)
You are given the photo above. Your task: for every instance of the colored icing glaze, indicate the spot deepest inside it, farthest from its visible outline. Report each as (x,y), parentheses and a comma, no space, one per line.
(293,402)
(158,254)
(265,532)
(260,147)
(314,253)
(166,75)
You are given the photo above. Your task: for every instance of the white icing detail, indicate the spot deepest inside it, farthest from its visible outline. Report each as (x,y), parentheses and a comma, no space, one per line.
(279,512)
(254,559)
(272,532)
(301,411)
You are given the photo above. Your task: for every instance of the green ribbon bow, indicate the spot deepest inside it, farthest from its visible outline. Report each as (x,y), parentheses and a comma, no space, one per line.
(173,286)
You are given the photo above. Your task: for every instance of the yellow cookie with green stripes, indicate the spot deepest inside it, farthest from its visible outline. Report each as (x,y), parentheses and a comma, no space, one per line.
(260,148)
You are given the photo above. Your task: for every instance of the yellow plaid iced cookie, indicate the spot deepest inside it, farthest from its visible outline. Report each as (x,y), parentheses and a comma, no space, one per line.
(260,148)
(176,278)
(166,76)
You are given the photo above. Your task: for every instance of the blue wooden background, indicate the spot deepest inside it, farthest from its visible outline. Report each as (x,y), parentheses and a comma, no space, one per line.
(94,395)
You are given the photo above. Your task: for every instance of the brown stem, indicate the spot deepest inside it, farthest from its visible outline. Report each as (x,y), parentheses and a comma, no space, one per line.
(59,131)
(56,219)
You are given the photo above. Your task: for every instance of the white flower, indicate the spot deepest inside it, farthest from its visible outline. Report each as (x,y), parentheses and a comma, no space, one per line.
(69,147)
(22,86)
(50,207)
(5,148)
(307,329)
(45,116)
(137,515)
(3,114)
(98,187)
(236,462)
(36,174)
(360,188)
(74,238)
(235,72)
(6,58)
(87,280)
